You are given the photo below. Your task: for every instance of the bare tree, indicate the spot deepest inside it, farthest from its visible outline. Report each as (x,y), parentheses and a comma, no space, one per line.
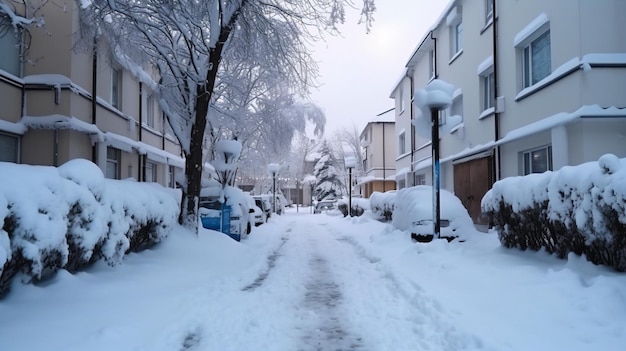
(187,41)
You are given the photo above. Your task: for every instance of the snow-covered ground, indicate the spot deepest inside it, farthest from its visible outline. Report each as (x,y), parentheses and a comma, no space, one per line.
(320,282)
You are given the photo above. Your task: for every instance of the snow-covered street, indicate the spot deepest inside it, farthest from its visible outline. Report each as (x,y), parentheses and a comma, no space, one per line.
(320,282)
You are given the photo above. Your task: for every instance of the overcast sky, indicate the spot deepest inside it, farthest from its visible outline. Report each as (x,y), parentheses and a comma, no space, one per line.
(358,70)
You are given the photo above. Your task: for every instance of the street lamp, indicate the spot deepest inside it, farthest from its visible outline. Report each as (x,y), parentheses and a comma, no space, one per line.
(436,96)
(350,164)
(273,169)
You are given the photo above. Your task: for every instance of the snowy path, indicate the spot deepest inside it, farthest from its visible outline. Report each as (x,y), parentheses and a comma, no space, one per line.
(347,300)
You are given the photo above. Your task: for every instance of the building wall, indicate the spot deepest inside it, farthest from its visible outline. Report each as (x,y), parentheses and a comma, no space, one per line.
(579,30)
(56,58)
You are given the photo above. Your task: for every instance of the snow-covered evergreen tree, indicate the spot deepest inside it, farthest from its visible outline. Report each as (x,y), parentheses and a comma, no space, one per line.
(328,181)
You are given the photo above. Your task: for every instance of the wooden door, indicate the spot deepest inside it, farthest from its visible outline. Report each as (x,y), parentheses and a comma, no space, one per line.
(472,180)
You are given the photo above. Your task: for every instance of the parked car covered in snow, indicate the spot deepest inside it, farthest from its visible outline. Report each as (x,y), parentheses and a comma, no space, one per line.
(213,208)
(265,204)
(414,212)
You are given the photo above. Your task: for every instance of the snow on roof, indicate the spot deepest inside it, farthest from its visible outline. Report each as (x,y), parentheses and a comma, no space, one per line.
(129,145)
(15,128)
(57,121)
(48,79)
(588,111)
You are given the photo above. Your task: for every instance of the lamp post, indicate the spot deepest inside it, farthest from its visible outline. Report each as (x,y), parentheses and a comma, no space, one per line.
(273,169)
(350,164)
(436,96)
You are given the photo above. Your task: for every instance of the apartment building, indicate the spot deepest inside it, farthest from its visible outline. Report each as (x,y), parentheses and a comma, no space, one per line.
(538,85)
(59,103)
(378,140)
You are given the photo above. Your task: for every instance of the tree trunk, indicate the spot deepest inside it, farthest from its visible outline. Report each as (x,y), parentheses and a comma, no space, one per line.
(193,159)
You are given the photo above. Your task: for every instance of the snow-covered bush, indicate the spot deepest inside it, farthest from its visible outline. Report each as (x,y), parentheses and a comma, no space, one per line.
(579,209)
(359,206)
(67,217)
(414,213)
(383,204)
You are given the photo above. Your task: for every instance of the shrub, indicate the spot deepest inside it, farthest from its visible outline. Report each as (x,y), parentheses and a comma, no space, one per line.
(72,216)
(359,206)
(383,204)
(577,210)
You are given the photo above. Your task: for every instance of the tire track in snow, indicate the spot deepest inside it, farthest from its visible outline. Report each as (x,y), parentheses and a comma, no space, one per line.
(271,263)
(325,328)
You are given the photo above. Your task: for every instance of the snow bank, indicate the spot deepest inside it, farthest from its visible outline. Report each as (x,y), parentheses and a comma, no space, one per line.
(70,216)
(359,206)
(579,209)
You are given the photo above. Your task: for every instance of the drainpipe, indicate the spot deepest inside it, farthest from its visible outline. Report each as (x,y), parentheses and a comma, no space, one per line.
(496,116)
(384,162)
(94,85)
(140,160)
(435,54)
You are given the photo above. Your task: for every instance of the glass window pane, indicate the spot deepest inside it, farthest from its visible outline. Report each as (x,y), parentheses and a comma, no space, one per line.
(541,60)
(8,148)
(527,169)
(526,67)
(10,52)
(539,161)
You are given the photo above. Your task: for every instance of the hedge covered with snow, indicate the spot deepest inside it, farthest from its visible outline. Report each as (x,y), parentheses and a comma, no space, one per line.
(579,209)
(383,204)
(68,217)
(359,205)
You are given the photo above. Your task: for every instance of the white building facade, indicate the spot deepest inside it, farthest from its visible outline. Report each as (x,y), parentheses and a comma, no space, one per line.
(540,85)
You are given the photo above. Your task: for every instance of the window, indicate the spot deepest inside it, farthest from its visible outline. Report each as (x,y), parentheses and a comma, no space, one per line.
(113,163)
(420,179)
(401,143)
(150,171)
(401,100)
(10,48)
(488,11)
(538,160)
(150,110)
(536,60)
(431,64)
(401,184)
(9,148)
(488,90)
(116,88)
(457,106)
(171,177)
(458,38)
(454,21)
(442,116)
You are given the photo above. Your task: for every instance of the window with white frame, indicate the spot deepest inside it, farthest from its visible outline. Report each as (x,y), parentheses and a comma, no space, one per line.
(454,20)
(116,88)
(113,163)
(150,171)
(487,89)
(456,109)
(171,177)
(458,37)
(401,183)
(488,11)
(10,50)
(536,59)
(150,110)
(442,116)
(401,143)
(537,160)
(431,63)
(420,179)
(9,147)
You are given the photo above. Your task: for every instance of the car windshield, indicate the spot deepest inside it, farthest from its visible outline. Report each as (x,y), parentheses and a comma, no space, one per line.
(325,204)
(210,203)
